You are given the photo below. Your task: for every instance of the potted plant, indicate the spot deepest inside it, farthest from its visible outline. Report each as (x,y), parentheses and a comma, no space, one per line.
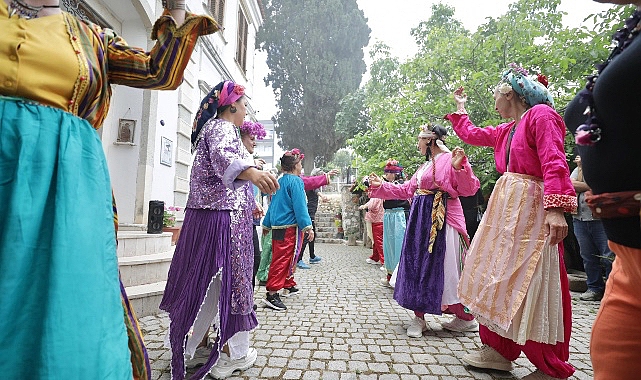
(169,223)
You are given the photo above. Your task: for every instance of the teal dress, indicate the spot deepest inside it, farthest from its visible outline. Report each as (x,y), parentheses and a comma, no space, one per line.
(61,315)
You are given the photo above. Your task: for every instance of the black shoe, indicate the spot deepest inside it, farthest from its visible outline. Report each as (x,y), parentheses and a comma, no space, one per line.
(255,307)
(273,301)
(591,295)
(290,291)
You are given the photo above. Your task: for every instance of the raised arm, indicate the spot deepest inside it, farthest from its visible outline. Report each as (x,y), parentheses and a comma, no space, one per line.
(464,128)
(161,68)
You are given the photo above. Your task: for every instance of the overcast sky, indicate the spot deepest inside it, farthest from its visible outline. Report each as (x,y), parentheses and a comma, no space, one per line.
(391,22)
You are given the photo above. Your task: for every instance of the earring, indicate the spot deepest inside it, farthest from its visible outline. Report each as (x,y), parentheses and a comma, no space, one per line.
(232,109)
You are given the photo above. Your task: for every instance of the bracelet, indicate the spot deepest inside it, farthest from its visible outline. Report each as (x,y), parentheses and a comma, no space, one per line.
(174,4)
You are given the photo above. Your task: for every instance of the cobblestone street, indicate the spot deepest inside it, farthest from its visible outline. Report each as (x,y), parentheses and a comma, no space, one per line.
(344,325)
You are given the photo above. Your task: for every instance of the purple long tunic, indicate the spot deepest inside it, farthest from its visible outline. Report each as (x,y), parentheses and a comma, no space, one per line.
(215,243)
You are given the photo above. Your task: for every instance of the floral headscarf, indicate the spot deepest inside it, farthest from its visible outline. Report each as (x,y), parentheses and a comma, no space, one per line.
(222,95)
(532,91)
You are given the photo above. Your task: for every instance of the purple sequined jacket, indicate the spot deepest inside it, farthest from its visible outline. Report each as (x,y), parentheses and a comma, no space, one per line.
(220,158)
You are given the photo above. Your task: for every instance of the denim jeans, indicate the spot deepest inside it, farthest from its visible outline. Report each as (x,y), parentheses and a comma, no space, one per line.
(597,256)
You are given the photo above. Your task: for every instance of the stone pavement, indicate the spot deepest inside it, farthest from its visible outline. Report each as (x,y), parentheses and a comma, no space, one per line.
(344,325)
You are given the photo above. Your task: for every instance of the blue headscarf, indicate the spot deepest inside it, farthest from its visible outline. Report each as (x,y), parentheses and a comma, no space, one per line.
(533,92)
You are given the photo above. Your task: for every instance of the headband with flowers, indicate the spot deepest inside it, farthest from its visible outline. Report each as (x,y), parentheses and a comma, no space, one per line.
(531,91)
(427,132)
(254,129)
(296,153)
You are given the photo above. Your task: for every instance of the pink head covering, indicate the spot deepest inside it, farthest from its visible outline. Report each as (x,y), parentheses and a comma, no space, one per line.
(230,93)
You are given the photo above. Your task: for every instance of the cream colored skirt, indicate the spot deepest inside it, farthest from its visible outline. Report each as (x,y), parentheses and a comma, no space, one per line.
(511,277)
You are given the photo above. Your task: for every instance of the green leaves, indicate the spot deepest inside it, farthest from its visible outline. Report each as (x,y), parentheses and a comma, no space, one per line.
(403,95)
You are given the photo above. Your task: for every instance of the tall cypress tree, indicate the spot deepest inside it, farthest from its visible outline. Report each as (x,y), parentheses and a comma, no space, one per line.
(315,56)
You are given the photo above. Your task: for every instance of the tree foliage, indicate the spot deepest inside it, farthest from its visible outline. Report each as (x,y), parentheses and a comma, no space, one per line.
(315,56)
(404,95)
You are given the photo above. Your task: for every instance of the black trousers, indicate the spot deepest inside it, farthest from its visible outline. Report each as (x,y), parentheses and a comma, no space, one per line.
(310,243)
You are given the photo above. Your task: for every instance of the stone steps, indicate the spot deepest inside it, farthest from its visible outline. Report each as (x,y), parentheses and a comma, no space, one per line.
(144,260)
(326,230)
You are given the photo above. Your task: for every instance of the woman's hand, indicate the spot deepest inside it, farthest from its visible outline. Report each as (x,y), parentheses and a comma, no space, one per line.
(310,234)
(458,158)
(460,97)
(259,162)
(375,181)
(555,225)
(258,212)
(265,181)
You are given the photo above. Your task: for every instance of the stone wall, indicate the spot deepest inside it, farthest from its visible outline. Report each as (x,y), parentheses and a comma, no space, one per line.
(352,223)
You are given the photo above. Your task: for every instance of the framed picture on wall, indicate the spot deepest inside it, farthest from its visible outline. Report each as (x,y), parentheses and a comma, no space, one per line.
(126,128)
(166,151)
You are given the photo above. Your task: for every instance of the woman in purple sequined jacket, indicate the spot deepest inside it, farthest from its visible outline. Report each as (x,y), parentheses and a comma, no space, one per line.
(210,278)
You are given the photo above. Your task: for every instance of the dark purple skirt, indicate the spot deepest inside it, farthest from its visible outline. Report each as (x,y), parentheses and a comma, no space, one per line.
(209,244)
(419,285)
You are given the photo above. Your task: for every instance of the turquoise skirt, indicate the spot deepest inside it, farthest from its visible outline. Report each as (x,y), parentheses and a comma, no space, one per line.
(61,315)
(394,225)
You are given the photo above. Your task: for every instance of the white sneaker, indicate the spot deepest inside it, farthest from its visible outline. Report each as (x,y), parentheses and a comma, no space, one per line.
(489,358)
(225,366)
(538,375)
(383,268)
(370,261)
(416,328)
(457,324)
(385,283)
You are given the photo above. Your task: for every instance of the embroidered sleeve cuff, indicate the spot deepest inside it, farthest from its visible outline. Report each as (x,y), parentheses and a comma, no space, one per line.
(202,25)
(568,202)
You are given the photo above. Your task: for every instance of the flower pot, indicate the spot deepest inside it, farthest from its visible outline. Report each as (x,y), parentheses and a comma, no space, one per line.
(175,233)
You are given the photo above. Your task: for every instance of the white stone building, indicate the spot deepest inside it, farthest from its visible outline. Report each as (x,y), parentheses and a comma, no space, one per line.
(146,135)
(163,119)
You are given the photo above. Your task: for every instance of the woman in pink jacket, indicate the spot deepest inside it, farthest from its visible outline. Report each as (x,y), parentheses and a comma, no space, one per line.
(514,279)
(435,239)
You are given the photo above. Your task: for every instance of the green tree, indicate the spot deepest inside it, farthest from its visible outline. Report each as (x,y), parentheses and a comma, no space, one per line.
(529,33)
(315,56)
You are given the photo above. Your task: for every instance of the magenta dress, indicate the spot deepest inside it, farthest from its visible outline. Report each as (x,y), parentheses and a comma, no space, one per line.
(536,165)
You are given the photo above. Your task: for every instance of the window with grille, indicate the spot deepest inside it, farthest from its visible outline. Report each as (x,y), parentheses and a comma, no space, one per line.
(241,52)
(217,9)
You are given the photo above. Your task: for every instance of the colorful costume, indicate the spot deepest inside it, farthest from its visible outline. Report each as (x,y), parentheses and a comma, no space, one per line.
(510,260)
(210,278)
(394,222)
(309,183)
(62,314)
(374,215)
(288,219)
(434,245)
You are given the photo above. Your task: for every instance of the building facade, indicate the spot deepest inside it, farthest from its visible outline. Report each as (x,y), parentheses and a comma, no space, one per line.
(146,136)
